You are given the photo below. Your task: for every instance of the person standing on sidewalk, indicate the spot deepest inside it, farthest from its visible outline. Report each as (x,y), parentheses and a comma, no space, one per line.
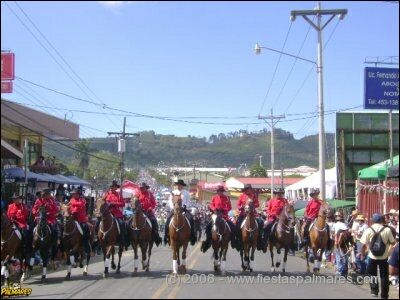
(377,240)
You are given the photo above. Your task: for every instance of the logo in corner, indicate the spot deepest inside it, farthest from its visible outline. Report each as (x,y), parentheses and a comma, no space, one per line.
(15,290)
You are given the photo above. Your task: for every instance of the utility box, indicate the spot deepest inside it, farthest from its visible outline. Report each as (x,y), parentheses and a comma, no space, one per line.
(121,145)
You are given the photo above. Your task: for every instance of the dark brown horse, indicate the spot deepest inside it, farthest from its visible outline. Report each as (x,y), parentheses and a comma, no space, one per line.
(108,236)
(318,238)
(73,241)
(220,237)
(282,237)
(249,232)
(140,234)
(43,241)
(11,245)
(179,232)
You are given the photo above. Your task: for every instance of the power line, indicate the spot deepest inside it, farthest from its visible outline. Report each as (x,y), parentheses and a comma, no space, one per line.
(276,68)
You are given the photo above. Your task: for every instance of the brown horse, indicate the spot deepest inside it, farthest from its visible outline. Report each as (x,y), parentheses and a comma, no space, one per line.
(249,231)
(140,234)
(179,232)
(220,237)
(43,241)
(318,238)
(282,237)
(108,236)
(11,245)
(73,241)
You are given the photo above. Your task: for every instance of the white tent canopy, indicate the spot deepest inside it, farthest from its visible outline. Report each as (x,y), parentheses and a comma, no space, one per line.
(301,188)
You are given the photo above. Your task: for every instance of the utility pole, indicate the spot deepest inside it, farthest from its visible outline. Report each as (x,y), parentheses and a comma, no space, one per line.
(260,156)
(121,149)
(318,12)
(272,121)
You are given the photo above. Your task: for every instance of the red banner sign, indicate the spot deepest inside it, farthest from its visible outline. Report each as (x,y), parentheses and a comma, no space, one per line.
(7,66)
(6,87)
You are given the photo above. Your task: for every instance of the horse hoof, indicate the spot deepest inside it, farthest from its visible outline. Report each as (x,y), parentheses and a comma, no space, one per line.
(118,271)
(85,274)
(68,277)
(147,269)
(316,270)
(251,270)
(277,264)
(283,270)
(43,279)
(216,269)
(105,275)
(272,269)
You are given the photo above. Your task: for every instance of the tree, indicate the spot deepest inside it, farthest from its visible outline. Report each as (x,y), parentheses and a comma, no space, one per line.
(83,156)
(258,171)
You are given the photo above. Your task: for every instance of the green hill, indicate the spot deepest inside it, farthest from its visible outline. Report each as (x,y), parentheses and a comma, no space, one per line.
(220,150)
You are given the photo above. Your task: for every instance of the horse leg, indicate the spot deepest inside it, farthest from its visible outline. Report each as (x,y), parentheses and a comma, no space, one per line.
(241,257)
(107,254)
(68,266)
(183,266)
(136,258)
(223,259)
(216,269)
(251,261)
(143,247)
(278,257)
(271,248)
(149,255)
(317,261)
(307,259)
(85,270)
(113,266)
(45,256)
(174,258)
(285,259)
(120,249)
(4,271)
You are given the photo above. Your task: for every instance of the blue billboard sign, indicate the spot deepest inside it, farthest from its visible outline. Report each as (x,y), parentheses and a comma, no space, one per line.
(381,89)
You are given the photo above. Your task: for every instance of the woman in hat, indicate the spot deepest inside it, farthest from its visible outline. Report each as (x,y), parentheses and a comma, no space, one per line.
(248,194)
(179,189)
(148,202)
(77,205)
(116,203)
(357,232)
(223,203)
(18,214)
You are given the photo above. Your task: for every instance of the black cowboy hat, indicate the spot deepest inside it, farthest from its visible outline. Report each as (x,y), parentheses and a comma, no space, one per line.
(144,186)
(314,191)
(16,196)
(221,188)
(279,191)
(180,182)
(246,187)
(115,184)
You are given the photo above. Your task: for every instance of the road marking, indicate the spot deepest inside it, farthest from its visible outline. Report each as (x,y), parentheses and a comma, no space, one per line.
(174,292)
(164,286)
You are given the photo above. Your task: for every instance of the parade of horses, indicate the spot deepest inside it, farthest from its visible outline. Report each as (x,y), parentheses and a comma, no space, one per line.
(200,149)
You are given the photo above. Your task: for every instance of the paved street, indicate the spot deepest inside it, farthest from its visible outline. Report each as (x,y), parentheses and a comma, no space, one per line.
(154,284)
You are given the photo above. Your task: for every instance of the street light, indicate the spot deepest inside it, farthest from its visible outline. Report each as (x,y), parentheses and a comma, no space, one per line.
(318,12)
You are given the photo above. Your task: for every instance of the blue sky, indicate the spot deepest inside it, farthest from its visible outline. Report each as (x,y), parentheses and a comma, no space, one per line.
(192,59)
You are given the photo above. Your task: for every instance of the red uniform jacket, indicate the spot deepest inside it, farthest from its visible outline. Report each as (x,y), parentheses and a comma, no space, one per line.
(312,208)
(274,208)
(243,201)
(51,209)
(148,201)
(116,202)
(18,213)
(78,208)
(221,202)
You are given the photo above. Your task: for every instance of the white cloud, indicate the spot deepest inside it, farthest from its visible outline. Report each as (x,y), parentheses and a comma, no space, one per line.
(114,3)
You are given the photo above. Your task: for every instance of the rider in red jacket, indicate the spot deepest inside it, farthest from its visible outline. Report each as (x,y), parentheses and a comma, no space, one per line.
(18,214)
(116,203)
(77,206)
(249,195)
(52,211)
(273,210)
(310,214)
(148,203)
(222,203)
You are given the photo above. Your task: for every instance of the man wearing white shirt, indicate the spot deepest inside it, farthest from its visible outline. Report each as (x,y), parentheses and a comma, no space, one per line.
(341,259)
(179,189)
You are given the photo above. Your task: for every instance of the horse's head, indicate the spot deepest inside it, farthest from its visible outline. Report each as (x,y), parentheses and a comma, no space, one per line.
(324,210)
(42,215)
(102,208)
(249,208)
(177,201)
(66,213)
(137,205)
(289,214)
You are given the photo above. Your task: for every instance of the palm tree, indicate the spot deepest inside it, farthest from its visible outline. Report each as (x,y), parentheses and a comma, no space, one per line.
(83,155)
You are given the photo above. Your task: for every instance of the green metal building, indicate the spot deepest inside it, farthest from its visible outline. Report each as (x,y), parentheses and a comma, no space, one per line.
(362,140)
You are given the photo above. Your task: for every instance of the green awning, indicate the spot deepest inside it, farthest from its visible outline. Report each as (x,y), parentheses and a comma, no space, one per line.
(337,203)
(377,171)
